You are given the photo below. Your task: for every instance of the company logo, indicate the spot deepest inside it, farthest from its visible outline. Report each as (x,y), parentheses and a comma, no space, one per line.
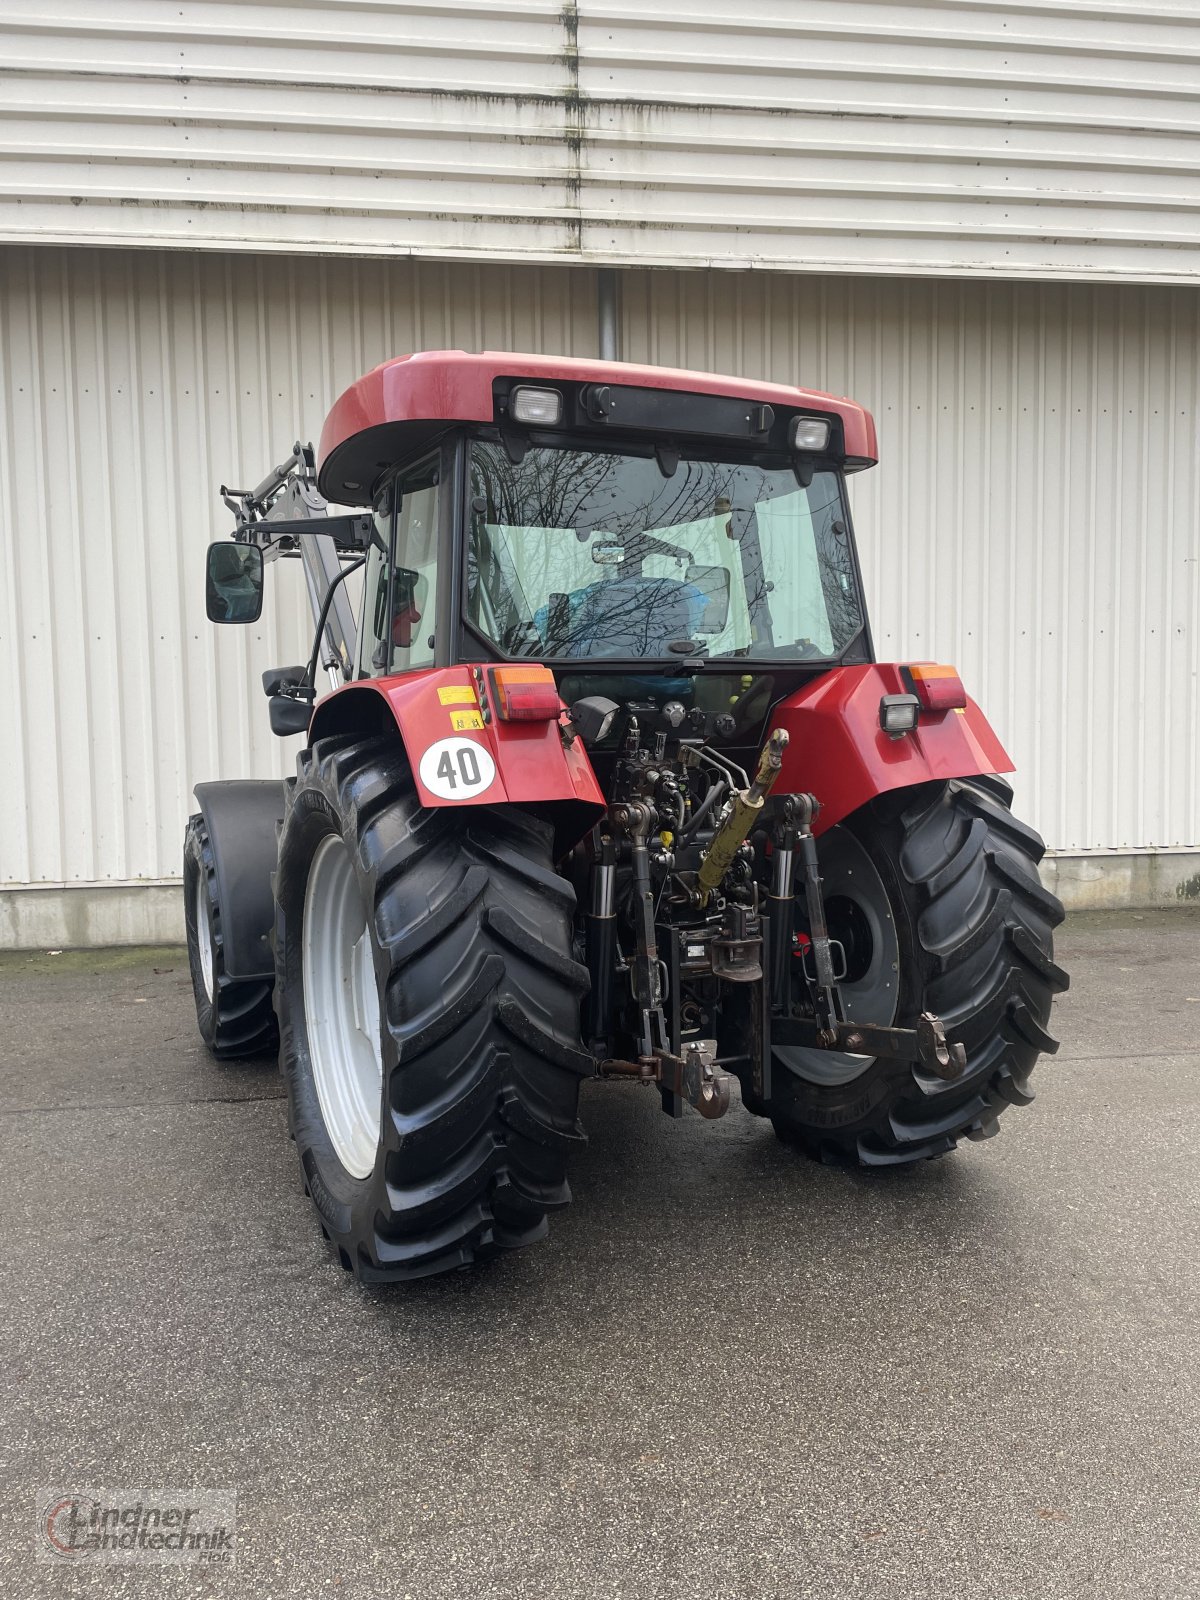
(156,1525)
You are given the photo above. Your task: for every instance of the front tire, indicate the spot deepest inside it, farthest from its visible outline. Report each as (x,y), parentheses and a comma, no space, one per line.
(463,966)
(234,1015)
(938,896)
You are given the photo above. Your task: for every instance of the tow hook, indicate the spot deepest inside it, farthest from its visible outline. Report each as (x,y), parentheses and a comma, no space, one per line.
(944,1059)
(696,1076)
(702,1083)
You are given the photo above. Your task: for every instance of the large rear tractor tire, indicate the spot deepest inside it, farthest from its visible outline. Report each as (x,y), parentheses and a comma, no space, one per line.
(935,895)
(428,1008)
(234,1016)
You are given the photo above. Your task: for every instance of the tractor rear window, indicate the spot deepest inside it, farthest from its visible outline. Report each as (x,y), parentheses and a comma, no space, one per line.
(594,555)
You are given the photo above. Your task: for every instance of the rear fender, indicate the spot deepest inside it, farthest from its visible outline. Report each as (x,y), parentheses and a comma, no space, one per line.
(462,754)
(838,751)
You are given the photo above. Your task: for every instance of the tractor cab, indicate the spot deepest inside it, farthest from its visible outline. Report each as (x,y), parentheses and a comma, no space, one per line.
(635,536)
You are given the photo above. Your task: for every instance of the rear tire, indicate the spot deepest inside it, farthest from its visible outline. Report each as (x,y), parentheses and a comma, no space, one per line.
(234,1016)
(470,932)
(968,924)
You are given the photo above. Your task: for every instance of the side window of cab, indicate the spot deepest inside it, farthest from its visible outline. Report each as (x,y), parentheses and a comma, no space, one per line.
(398,608)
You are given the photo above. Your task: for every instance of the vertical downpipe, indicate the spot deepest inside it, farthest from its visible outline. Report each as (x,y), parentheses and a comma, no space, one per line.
(609,337)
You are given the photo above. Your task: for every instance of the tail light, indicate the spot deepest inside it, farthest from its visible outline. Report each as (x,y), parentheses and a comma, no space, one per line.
(937,688)
(525,694)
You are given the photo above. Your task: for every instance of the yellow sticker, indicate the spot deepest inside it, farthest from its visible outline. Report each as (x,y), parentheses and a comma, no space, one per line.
(455,696)
(460,721)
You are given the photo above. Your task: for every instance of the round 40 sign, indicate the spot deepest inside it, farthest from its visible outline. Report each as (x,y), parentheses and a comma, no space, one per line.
(457,769)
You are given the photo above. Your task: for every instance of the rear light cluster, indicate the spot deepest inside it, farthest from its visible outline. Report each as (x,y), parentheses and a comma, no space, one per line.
(937,688)
(932,688)
(525,694)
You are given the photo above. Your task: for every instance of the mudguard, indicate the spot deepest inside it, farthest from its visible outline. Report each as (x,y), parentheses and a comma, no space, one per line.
(462,753)
(838,751)
(240,817)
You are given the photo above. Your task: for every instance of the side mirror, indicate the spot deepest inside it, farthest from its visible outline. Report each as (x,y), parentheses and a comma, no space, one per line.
(289,716)
(233,584)
(713,584)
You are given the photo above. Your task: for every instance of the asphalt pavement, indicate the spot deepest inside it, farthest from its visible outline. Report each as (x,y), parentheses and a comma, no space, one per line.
(728,1373)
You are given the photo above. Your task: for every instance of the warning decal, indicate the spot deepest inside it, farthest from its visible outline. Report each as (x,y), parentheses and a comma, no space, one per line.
(457,769)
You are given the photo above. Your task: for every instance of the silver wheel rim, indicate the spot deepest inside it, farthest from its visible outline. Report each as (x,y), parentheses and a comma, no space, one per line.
(204,936)
(341,1008)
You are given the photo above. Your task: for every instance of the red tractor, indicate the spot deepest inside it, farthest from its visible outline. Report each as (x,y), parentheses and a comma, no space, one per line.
(609,783)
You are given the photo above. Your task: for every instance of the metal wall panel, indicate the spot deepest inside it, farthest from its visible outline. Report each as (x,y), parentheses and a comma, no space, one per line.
(132,383)
(1035,518)
(1024,138)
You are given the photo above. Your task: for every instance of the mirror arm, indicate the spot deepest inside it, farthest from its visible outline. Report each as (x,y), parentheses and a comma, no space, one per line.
(307,684)
(348,533)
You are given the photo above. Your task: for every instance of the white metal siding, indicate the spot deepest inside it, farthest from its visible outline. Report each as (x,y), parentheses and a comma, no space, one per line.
(1035,518)
(1043,138)
(131,385)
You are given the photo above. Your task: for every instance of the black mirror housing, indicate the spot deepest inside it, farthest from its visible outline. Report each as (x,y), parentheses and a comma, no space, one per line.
(289,716)
(281,680)
(233,582)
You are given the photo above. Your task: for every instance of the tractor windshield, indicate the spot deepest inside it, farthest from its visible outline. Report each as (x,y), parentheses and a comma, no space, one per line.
(589,554)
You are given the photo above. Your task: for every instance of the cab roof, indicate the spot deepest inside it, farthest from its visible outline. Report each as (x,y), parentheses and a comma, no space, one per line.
(389,413)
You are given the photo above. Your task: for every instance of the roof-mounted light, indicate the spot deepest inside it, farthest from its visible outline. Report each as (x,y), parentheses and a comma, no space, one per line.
(537,408)
(810,434)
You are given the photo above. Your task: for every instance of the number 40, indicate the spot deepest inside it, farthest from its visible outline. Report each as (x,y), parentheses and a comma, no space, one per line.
(468,768)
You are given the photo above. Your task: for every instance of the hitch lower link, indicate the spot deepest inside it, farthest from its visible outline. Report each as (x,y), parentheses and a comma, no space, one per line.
(693,1077)
(926,1043)
(828,1029)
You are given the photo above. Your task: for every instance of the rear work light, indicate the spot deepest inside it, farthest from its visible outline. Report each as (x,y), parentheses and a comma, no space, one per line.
(539,408)
(898,714)
(937,688)
(810,434)
(525,694)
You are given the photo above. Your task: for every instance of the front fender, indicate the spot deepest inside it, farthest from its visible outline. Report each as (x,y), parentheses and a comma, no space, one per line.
(838,751)
(458,758)
(241,818)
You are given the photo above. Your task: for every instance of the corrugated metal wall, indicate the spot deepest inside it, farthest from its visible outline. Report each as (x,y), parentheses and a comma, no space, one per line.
(1042,138)
(1036,517)
(131,385)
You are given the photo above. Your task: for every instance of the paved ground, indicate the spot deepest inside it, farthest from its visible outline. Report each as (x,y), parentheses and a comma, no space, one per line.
(729,1373)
